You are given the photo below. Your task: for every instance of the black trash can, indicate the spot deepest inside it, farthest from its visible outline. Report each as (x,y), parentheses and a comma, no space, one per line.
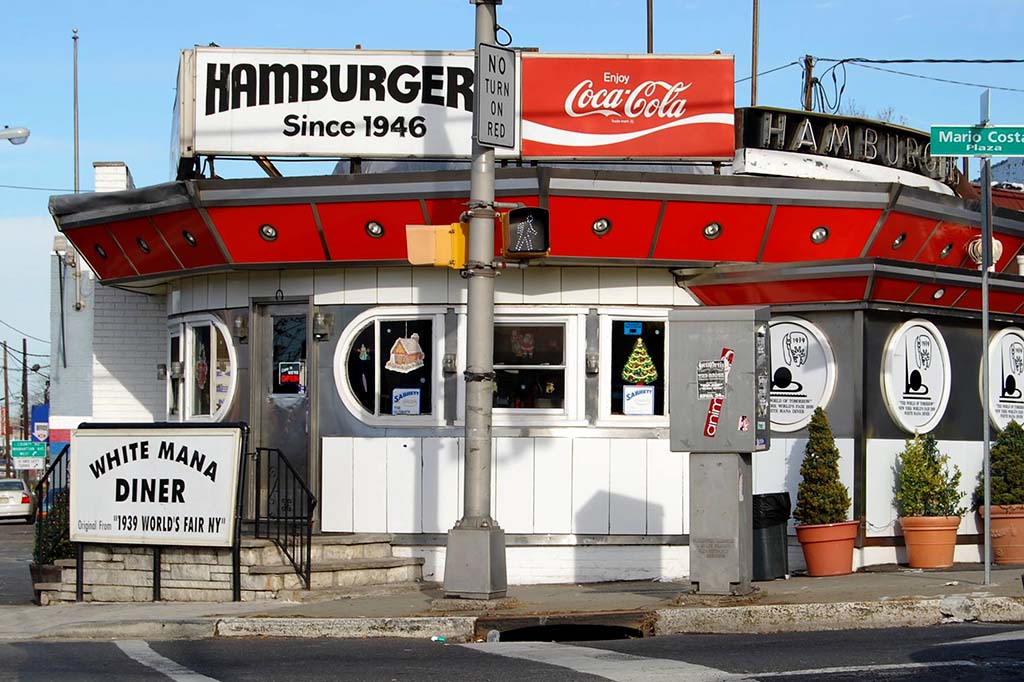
(771,514)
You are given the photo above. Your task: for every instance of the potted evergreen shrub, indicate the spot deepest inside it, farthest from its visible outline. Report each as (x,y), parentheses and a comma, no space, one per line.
(928,502)
(1006,491)
(822,504)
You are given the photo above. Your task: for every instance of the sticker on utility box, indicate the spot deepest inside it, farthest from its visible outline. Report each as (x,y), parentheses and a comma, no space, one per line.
(711,379)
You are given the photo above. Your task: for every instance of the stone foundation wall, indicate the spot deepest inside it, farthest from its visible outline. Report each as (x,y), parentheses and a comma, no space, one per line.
(124,573)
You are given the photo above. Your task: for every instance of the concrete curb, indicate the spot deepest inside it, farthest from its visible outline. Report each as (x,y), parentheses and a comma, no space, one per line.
(133,629)
(451,628)
(762,619)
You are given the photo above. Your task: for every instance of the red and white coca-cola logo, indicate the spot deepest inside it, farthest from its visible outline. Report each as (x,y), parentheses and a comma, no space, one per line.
(649,99)
(636,106)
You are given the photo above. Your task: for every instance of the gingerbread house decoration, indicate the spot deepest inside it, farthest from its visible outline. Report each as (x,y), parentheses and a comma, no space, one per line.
(406,355)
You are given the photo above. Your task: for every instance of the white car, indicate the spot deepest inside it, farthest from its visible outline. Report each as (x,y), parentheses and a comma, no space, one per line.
(16,500)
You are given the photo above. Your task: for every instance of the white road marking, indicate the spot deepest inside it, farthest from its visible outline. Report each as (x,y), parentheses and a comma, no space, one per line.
(139,651)
(987,639)
(610,665)
(863,669)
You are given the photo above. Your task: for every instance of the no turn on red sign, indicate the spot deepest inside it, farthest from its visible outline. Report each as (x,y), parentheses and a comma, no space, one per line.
(494,109)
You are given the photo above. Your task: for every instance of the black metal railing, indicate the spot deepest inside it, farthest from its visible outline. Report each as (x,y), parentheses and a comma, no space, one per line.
(286,515)
(52,512)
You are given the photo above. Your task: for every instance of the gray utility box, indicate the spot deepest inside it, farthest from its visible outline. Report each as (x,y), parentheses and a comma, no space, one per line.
(720,379)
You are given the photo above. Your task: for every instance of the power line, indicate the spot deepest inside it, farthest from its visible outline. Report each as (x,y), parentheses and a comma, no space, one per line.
(34,338)
(37,189)
(10,345)
(934,78)
(865,60)
(765,73)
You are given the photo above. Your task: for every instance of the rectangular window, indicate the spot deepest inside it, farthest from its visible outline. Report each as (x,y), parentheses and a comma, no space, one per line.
(529,366)
(405,366)
(201,352)
(289,354)
(638,367)
(174,374)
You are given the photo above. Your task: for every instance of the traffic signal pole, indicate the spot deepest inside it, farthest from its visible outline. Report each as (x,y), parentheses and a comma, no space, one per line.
(475,557)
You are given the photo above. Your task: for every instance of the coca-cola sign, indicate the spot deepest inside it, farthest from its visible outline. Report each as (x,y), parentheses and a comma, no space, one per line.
(627,107)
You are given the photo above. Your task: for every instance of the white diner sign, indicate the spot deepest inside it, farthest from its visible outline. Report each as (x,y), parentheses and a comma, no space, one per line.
(330,102)
(916,376)
(803,372)
(1006,377)
(154,486)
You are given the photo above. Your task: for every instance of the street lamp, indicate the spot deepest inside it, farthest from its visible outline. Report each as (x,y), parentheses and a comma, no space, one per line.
(14,135)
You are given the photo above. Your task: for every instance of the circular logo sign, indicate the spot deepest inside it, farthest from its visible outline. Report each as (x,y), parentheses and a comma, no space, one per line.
(916,376)
(803,372)
(1006,377)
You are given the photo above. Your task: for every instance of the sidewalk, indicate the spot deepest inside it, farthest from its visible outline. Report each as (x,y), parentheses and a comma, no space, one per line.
(892,597)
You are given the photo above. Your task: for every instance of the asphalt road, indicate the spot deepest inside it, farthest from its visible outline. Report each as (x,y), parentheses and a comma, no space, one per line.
(944,653)
(16,538)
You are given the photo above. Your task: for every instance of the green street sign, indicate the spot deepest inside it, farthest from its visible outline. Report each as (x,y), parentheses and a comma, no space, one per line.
(27,448)
(977,141)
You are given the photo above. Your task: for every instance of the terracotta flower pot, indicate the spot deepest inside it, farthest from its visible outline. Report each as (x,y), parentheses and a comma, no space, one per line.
(1007,530)
(828,547)
(930,540)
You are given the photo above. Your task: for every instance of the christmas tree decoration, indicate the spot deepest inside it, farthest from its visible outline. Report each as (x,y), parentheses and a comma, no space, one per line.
(639,367)
(406,355)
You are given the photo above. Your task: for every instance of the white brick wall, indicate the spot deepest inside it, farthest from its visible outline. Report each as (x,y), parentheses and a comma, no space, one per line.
(129,341)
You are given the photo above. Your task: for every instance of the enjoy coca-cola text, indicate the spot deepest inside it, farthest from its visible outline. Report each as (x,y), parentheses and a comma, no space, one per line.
(649,99)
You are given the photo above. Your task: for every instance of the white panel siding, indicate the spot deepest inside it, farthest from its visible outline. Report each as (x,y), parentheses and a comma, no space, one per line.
(360,285)
(430,285)
(238,290)
(405,494)
(580,285)
(513,495)
(336,504)
(457,291)
(329,286)
(666,490)
(186,295)
(297,283)
(618,286)
(682,297)
(628,476)
(370,486)
(654,287)
(590,480)
(441,474)
(880,508)
(218,292)
(552,503)
(542,285)
(394,285)
(200,293)
(508,287)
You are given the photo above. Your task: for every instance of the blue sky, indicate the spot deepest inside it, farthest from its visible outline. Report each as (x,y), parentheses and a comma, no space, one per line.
(128,57)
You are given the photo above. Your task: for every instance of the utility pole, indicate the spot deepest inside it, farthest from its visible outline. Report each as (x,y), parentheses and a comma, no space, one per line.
(74,38)
(753,57)
(808,82)
(24,390)
(650,26)
(986,262)
(474,566)
(7,419)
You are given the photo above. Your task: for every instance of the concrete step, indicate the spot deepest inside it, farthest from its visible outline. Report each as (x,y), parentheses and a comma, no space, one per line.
(257,552)
(337,573)
(350,592)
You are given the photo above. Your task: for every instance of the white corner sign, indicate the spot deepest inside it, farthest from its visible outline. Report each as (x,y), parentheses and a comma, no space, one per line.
(495,102)
(916,376)
(803,372)
(154,486)
(1006,377)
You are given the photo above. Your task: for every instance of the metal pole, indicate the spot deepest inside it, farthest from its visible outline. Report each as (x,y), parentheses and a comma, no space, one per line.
(808,81)
(986,261)
(753,58)
(74,39)
(650,26)
(24,390)
(7,419)
(475,556)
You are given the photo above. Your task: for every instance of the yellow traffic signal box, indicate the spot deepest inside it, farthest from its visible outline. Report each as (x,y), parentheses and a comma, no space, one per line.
(445,246)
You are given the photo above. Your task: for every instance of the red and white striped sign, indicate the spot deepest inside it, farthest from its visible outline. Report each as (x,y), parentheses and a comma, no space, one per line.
(715,406)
